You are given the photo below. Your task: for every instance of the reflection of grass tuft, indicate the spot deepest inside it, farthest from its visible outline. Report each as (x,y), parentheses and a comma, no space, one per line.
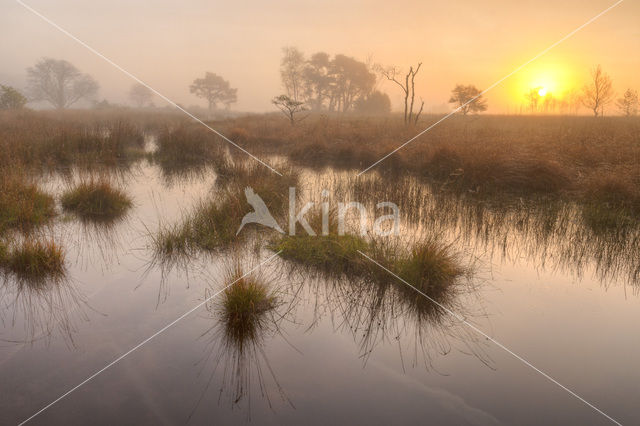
(96,200)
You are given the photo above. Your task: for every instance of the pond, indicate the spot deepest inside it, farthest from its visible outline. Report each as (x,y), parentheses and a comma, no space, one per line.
(329,349)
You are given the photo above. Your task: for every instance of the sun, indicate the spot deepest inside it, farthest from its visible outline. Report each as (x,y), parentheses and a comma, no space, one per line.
(542,91)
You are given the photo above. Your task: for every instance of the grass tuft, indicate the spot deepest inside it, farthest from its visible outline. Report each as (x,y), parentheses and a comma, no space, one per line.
(430,267)
(243,306)
(35,259)
(96,200)
(23,206)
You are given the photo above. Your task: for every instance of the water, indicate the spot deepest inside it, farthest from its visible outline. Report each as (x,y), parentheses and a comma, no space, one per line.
(330,352)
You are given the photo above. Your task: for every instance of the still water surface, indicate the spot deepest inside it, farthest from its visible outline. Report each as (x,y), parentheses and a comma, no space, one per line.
(326,355)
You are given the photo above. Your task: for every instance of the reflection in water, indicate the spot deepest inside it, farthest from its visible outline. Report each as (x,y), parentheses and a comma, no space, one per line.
(245,317)
(40,308)
(552,233)
(377,313)
(98,243)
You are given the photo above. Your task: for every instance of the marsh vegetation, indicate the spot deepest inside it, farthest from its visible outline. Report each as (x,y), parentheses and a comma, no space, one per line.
(476,193)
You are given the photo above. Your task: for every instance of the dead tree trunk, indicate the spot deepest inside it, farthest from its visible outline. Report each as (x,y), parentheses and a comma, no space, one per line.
(409,89)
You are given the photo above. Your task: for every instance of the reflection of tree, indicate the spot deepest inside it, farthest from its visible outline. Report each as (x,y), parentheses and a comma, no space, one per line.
(245,317)
(43,307)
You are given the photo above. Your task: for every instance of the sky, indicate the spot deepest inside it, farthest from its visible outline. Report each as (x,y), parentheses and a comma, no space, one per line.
(167,44)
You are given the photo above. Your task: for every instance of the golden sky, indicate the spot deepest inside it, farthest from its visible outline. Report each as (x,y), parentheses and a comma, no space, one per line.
(169,43)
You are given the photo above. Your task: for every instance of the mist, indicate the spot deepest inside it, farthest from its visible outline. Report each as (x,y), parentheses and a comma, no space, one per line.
(169,45)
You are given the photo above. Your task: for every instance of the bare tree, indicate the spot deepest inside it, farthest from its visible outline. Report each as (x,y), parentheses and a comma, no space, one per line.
(408,87)
(628,103)
(291,72)
(140,95)
(59,83)
(599,92)
(215,89)
(290,107)
(468,99)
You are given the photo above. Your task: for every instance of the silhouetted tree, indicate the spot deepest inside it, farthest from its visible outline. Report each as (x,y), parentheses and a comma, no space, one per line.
(467,99)
(290,107)
(325,83)
(351,80)
(140,95)
(408,87)
(215,89)
(599,92)
(317,80)
(11,98)
(291,72)
(628,103)
(533,98)
(376,103)
(59,83)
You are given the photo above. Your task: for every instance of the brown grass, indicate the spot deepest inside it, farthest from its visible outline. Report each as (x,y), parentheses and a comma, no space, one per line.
(23,206)
(34,259)
(49,141)
(504,155)
(96,200)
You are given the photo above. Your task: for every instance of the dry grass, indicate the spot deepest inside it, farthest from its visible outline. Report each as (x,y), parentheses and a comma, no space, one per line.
(49,141)
(512,155)
(212,224)
(188,147)
(96,200)
(244,305)
(23,206)
(34,259)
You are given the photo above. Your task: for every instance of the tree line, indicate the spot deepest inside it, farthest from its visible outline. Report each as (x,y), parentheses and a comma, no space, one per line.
(595,95)
(320,82)
(334,84)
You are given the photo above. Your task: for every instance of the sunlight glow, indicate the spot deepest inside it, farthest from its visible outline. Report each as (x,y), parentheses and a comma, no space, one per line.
(542,91)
